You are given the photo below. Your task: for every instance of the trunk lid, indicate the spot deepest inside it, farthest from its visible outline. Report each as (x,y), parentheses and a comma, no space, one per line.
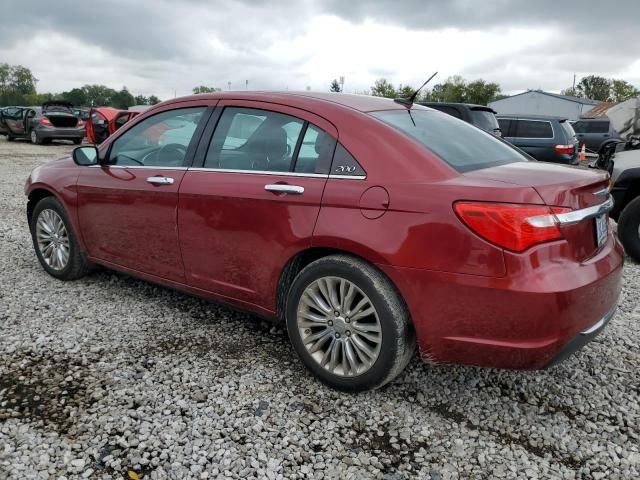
(559,186)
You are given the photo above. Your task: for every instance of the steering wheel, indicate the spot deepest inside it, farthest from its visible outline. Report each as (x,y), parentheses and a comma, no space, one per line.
(174,153)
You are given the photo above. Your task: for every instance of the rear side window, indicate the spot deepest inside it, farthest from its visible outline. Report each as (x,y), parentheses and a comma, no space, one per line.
(345,165)
(459,144)
(251,139)
(534,129)
(580,127)
(505,125)
(597,127)
(315,151)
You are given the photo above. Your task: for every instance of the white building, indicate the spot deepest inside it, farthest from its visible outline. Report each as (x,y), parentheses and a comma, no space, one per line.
(544,103)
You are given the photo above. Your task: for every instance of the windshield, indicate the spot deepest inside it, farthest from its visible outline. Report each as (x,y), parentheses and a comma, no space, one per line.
(459,144)
(484,120)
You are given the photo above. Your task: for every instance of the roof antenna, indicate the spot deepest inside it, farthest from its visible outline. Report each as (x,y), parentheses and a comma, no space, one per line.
(409,101)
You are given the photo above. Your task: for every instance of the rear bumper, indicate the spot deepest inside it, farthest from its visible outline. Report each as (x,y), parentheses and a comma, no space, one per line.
(580,340)
(57,132)
(528,319)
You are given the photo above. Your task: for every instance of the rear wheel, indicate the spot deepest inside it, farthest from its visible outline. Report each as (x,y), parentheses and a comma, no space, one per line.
(10,138)
(77,141)
(348,324)
(629,229)
(55,242)
(35,139)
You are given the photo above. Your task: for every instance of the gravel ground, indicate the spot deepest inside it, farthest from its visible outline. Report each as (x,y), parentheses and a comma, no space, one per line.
(111,377)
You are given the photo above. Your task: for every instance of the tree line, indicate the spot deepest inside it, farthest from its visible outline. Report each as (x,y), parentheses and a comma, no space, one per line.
(457,89)
(18,87)
(602,89)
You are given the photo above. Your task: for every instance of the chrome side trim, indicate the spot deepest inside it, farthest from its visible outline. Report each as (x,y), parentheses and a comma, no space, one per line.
(348,177)
(584,214)
(259,172)
(600,323)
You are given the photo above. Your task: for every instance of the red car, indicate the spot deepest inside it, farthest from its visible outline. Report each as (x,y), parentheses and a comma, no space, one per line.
(104,121)
(368,226)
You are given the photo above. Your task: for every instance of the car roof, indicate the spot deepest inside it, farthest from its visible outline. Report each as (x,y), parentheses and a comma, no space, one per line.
(363,103)
(532,117)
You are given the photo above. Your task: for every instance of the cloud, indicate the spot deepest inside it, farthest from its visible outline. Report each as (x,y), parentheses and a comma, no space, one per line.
(162,46)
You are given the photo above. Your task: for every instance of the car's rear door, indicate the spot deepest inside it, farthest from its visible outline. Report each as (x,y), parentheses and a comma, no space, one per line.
(253,199)
(127,208)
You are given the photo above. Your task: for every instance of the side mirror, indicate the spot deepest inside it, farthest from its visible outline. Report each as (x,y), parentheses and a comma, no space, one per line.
(86,155)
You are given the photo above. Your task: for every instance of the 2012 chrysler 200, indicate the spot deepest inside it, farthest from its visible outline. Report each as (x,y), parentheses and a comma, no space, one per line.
(367,225)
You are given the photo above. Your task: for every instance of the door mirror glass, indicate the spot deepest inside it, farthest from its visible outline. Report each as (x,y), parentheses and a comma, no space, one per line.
(87,155)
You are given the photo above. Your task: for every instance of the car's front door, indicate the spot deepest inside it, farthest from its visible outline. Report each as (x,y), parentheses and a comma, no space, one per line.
(254,200)
(127,206)
(14,120)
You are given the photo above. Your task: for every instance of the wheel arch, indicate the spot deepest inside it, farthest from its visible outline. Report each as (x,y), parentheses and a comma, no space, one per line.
(303,258)
(35,196)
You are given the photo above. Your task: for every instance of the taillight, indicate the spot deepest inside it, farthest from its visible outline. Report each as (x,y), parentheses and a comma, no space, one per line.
(512,226)
(80,123)
(45,122)
(565,149)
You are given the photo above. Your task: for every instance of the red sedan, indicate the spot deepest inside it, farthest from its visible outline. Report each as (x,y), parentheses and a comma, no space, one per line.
(368,226)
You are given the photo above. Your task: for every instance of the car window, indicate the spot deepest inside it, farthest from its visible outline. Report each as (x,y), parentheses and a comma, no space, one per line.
(580,127)
(161,140)
(534,129)
(484,119)
(316,151)
(459,144)
(597,127)
(505,125)
(568,128)
(344,164)
(253,139)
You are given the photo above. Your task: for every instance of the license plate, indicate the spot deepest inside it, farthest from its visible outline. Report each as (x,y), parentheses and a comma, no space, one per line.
(602,229)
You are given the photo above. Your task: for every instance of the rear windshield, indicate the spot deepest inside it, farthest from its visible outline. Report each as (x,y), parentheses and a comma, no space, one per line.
(568,128)
(484,120)
(459,144)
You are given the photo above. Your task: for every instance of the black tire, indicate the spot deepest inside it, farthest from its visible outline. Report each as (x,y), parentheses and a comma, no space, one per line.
(10,138)
(35,138)
(629,229)
(77,141)
(77,265)
(398,338)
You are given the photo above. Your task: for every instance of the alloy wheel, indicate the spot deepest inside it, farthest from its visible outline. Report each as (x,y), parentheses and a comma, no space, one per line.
(53,239)
(34,136)
(339,326)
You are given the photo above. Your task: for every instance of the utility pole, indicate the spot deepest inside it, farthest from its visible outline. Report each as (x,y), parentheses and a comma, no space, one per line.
(573,89)
(246,84)
(342,84)
(229,84)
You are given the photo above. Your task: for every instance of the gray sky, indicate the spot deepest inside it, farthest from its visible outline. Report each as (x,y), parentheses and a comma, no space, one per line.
(158,46)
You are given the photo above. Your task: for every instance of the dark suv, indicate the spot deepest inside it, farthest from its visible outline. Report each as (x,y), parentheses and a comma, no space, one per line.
(478,115)
(595,133)
(546,138)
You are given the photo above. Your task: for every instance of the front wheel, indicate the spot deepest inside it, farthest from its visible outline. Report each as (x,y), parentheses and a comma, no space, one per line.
(629,229)
(348,324)
(55,242)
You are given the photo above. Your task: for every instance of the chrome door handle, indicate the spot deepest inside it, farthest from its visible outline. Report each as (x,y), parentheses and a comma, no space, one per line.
(281,188)
(160,180)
